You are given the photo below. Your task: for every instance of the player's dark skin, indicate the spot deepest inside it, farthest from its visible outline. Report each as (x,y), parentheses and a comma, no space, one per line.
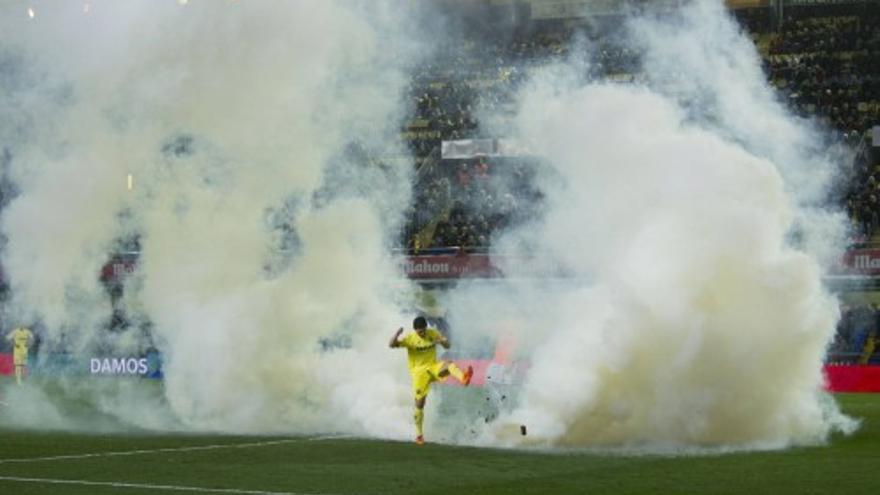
(444,372)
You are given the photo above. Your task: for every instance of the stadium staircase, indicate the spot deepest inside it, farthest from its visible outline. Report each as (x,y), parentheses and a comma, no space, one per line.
(425,237)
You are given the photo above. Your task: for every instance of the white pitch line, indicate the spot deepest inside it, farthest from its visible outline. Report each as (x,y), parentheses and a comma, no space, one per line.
(168,449)
(116,484)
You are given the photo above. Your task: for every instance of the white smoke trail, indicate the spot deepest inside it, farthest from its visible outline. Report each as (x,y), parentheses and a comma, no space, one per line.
(688,319)
(237,121)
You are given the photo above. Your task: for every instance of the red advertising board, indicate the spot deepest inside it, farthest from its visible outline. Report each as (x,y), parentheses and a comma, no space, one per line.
(861,262)
(449,266)
(118,268)
(852,378)
(6,366)
(864,262)
(420,267)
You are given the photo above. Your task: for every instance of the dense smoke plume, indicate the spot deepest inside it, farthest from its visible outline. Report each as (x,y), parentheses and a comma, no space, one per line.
(685,314)
(266,191)
(690,318)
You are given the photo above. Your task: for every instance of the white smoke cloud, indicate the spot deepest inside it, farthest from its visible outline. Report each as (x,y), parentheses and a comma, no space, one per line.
(701,327)
(242,124)
(689,319)
(717,75)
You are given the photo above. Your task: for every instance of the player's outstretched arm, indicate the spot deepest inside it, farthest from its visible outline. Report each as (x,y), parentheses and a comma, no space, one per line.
(444,341)
(394,339)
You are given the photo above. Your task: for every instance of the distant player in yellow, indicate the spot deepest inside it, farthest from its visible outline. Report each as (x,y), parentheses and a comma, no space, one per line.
(424,368)
(21,338)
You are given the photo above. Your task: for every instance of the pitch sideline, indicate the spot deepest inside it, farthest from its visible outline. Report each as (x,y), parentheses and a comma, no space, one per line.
(170,449)
(145,486)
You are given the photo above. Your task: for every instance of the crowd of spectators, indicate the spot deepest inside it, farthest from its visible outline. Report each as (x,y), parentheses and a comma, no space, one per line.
(486,199)
(829,67)
(430,198)
(825,63)
(857,334)
(861,194)
(469,78)
(462,203)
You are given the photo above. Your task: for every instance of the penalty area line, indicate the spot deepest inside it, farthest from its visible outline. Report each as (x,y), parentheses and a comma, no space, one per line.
(145,486)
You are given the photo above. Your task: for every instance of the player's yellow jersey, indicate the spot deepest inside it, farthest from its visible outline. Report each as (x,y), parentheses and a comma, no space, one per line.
(21,338)
(421,351)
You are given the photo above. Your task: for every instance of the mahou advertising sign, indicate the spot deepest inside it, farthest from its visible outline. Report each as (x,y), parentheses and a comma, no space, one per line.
(861,262)
(448,266)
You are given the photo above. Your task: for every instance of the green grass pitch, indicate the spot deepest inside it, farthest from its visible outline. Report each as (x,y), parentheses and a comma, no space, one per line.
(41,462)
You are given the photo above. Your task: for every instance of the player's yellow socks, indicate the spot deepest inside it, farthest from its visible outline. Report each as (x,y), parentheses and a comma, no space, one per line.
(18,374)
(420,418)
(456,372)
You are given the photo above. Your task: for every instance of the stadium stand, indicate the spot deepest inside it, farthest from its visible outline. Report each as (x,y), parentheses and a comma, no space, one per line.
(857,334)
(824,60)
(829,67)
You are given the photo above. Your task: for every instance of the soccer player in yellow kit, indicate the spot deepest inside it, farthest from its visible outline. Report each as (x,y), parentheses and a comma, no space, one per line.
(424,368)
(21,340)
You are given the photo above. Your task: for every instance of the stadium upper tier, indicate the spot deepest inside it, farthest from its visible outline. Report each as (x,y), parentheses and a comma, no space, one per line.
(824,61)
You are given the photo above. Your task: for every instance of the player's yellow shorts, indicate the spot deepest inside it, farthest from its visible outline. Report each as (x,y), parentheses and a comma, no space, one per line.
(20,357)
(423,376)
